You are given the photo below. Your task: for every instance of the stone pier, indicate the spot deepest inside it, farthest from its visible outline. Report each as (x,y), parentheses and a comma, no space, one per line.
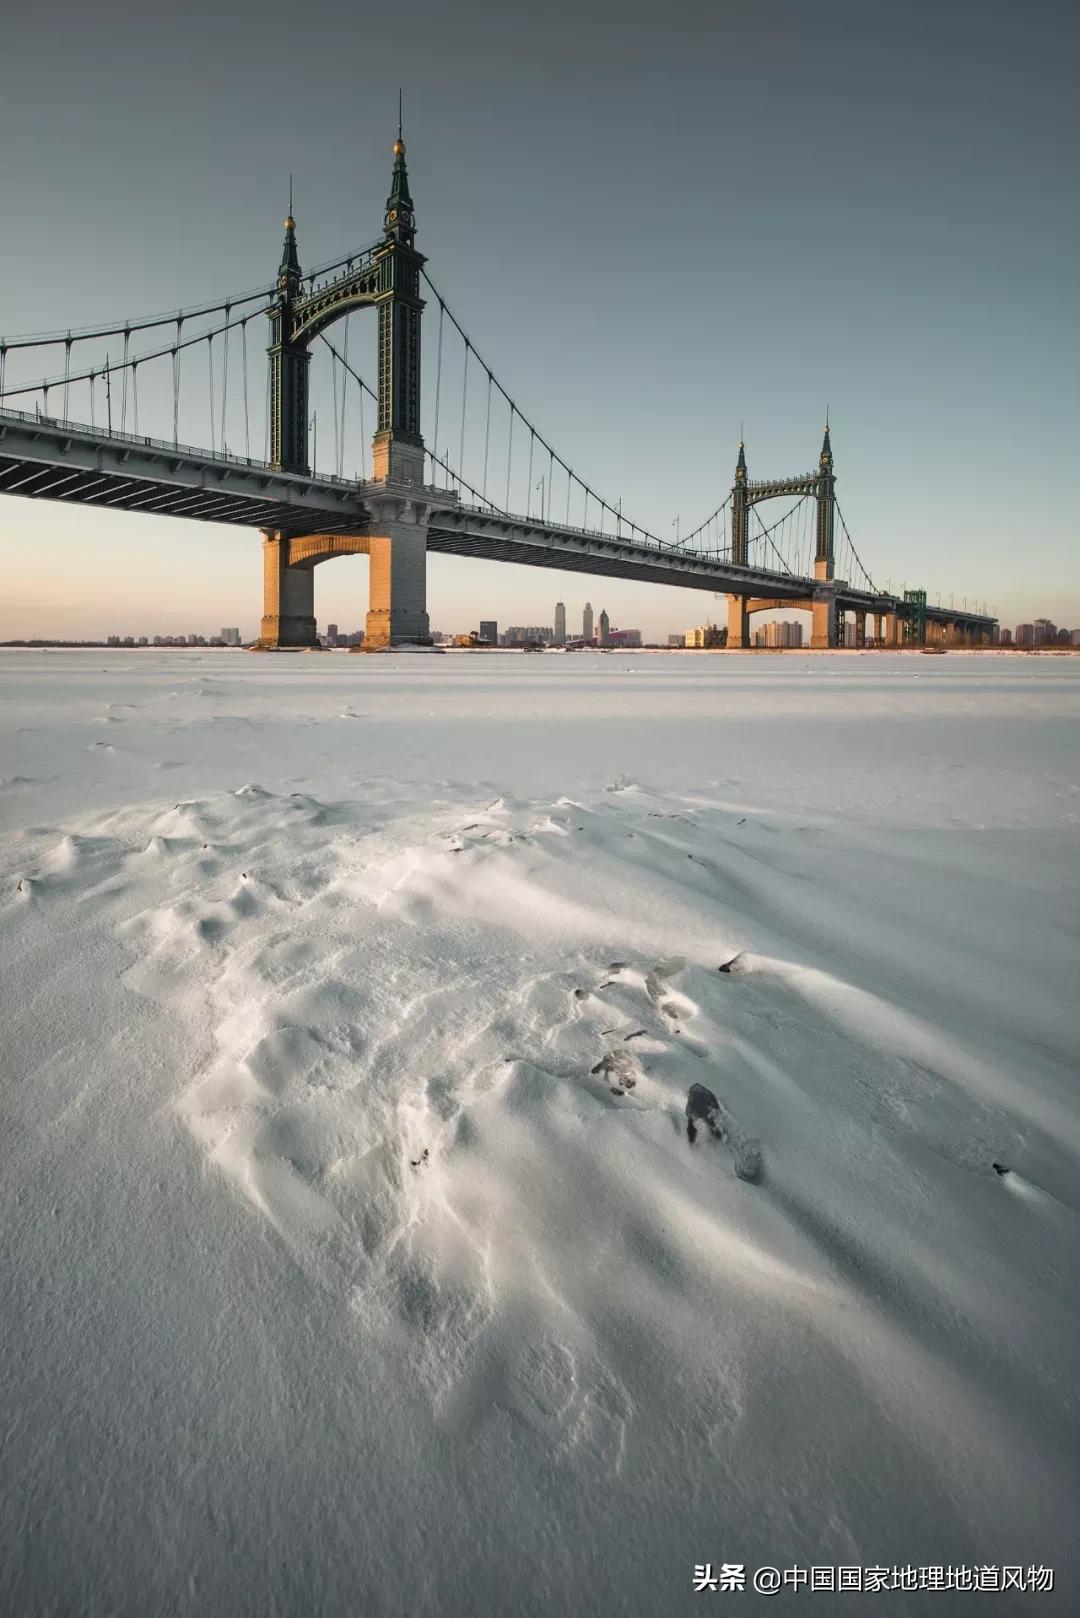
(738,633)
(397,612)
(397,586)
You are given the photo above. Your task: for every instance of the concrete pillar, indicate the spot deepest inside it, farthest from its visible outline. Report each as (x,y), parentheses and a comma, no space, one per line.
(288,599)
(738,620)
(824,615)
(398,600)
(860,629)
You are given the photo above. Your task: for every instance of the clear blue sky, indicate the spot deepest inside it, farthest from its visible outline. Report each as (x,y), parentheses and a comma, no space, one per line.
(655,223)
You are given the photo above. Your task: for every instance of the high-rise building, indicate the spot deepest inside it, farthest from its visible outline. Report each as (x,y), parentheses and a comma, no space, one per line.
(1004,637)
(1074,637)
(587,624)
(489,631)
(331,634)
(1024,635)
(527,635)
(781,633)
(1045,632)
(605,628)
(676,640)
(560,624)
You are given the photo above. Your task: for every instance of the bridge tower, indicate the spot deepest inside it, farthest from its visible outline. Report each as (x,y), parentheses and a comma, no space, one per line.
(826,512)
(289,361)
(387,279)
(398,451)
(740,513)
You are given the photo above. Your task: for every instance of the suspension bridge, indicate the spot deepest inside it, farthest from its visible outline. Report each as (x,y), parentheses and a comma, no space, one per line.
(490,484)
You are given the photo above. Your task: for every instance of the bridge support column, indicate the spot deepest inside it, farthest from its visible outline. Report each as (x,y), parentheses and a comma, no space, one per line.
(824,614)
(738,633)
(860,630)
(288,600)
(398,603)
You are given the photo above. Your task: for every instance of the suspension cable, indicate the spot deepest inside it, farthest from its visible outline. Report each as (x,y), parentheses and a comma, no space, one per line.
(155,354)
(193,312)
(854,552)
(544,442)
(711,518)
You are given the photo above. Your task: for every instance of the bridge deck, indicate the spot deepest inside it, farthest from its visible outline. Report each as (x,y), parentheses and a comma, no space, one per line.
(72,463)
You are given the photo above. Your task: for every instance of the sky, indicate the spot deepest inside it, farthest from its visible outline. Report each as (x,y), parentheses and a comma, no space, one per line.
(661,229)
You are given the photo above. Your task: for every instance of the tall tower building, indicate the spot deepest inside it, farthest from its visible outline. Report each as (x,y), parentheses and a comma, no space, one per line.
(605,628)
(587,624)
(560,624)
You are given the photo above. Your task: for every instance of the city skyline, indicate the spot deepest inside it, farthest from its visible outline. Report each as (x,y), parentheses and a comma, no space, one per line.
(912,206)
(773,631)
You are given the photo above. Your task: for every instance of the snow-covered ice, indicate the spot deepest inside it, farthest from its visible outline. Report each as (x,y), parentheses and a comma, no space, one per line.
(356,1259)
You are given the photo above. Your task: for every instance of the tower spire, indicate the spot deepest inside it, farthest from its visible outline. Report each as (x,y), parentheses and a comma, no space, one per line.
(740,465)
(289,268)
(399,223)
(825,461)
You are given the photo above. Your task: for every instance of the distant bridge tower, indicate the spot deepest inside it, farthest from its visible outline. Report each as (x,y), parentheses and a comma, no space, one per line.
(821,484)
(387,278)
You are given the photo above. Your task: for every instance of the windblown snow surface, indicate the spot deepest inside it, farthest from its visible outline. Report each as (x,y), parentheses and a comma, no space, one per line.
(355,1258)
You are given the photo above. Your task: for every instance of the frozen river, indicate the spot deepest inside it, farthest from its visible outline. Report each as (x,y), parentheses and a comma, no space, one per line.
(355,1256)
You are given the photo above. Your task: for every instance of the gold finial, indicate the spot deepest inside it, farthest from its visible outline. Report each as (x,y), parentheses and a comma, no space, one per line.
(290,223)
(399,147)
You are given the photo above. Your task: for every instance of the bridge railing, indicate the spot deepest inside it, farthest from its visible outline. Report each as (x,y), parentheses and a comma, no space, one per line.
(86,430)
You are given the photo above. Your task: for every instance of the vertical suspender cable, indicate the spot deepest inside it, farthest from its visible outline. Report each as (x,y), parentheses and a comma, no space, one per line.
(247,418)
(67,372)
(487,435)
(438,378)
(225,380)
(3,366)
(363,438)
(124,385)
(569,486)
(344,396)
(176,381)
(528,479)
(546,516)
(93,409)
(464,397)
(210,376)
(509,459)
(334,367)
(135,397)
